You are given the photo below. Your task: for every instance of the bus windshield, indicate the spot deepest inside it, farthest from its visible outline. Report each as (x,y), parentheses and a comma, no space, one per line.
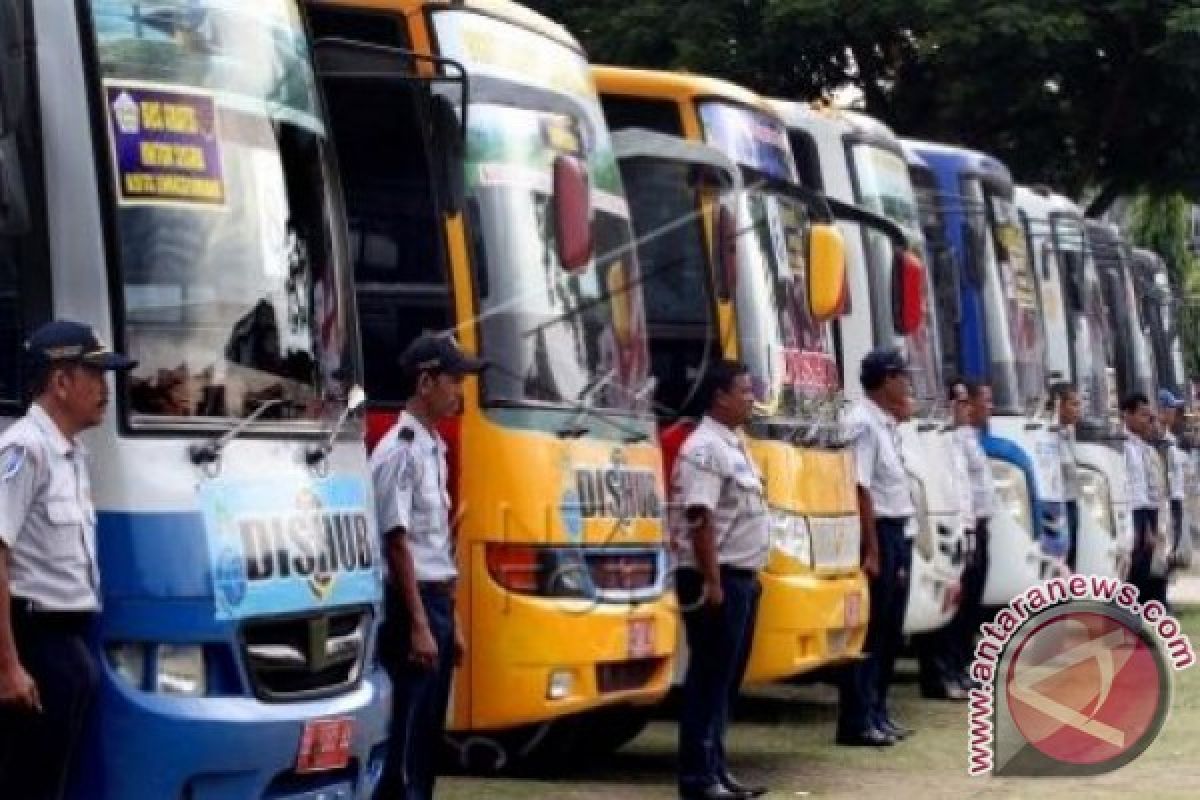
(233,284)
(676,280)
(883,184)
(1093,342)
(790,356)
(1016,342)
(552,337)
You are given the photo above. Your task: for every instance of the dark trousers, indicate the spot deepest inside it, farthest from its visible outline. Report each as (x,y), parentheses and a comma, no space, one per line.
(420,696)
(865,684)
(1145,530)
(719,642)
(37,751)
(1073,533)
(945,655)
(1176,524)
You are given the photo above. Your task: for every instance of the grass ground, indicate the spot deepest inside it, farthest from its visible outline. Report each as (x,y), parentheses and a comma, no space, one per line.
(783,737)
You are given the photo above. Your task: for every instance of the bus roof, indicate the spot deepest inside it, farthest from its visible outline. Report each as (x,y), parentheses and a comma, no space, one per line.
(680,86)
(505,10)
(963,159)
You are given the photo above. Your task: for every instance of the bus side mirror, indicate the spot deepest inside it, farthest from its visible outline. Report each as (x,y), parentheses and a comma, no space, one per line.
(908,295)
(826,272)
(12,65)
(450,154)
(572,213)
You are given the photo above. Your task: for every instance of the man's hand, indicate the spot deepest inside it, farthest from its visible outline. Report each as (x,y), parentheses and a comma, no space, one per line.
(870,564)
(460,646)
(714,595)
(423,650)
(18,690)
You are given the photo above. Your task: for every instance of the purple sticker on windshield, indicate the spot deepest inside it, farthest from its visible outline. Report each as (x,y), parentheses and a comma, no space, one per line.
(166,149)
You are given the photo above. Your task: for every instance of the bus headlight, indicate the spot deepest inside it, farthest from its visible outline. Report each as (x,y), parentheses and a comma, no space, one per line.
(173,669)
(181,670)
(1095,501)
(1012,492)
(790,535)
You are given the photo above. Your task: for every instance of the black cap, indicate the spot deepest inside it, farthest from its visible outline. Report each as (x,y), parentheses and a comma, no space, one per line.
(64,341)
(431,352)
(878,365)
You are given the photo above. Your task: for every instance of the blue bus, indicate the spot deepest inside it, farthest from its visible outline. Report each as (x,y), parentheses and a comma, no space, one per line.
(166,177)
(1000,340)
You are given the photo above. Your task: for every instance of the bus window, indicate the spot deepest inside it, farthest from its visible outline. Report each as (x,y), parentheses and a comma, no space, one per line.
(396,243)
(24,263)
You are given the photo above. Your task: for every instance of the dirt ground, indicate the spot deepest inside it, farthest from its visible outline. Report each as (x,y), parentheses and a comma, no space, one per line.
(782,737)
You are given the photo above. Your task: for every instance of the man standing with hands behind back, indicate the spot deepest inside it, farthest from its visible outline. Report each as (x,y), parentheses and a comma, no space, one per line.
(420,641)
(49,580)
(720,526)
(885,506)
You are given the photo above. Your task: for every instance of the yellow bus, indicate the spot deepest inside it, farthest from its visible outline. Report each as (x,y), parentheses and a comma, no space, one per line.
(483,198)
(756,305)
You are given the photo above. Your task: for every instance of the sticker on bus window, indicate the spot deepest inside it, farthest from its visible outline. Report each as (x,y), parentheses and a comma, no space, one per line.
(166,146)
(279,546)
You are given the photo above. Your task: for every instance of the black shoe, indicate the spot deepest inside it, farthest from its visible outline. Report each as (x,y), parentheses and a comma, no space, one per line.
(868,738)
(714,792)
(896,730)
(950,690)
(747,792)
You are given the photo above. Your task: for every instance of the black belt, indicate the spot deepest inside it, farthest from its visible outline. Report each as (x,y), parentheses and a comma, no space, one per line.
(738,572)
(445,587)
(24,611)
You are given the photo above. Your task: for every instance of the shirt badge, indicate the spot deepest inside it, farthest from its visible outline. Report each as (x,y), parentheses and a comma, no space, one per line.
(14,459)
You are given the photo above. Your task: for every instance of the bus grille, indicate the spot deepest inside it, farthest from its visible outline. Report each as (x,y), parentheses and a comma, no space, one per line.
(299,658)
(628,571)
(624,676)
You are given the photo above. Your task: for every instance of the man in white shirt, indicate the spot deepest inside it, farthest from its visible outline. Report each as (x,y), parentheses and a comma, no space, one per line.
(885,506)
(1070,408)
(1171,414)
(420,640)
(1139,418)
(720,527)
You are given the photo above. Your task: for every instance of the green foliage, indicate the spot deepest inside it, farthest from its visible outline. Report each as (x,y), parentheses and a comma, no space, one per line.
(1100,95)
(1163,224)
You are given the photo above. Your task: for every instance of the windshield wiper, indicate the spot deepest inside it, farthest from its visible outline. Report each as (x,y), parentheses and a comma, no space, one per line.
(574,429)
(210,451)
(354,401)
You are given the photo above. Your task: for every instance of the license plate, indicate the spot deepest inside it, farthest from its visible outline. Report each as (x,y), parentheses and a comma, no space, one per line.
(641,638)
(325,745)
(853,610)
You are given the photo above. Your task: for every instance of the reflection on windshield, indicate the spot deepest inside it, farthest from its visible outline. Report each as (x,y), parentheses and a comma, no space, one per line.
(232,293)
(1092,335)
(884,186)
(789,356)
(1015,343)
(552,336)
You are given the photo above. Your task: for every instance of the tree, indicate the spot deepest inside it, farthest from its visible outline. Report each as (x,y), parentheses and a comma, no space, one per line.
(1094,95)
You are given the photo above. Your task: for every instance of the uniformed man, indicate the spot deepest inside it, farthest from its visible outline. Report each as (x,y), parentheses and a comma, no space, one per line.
(885,507)
(420,642)
(1070,409)
(49,583)
(720,529)
(1138,418)
(1171,413)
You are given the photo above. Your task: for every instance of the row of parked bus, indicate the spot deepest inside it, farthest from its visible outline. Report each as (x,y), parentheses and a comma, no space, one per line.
(265,202)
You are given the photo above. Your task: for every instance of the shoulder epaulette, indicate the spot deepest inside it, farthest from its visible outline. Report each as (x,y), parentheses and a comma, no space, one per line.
(407,434)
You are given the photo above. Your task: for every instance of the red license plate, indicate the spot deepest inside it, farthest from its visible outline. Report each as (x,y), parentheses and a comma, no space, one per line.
(325,745)
(853,610)
(641,638)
